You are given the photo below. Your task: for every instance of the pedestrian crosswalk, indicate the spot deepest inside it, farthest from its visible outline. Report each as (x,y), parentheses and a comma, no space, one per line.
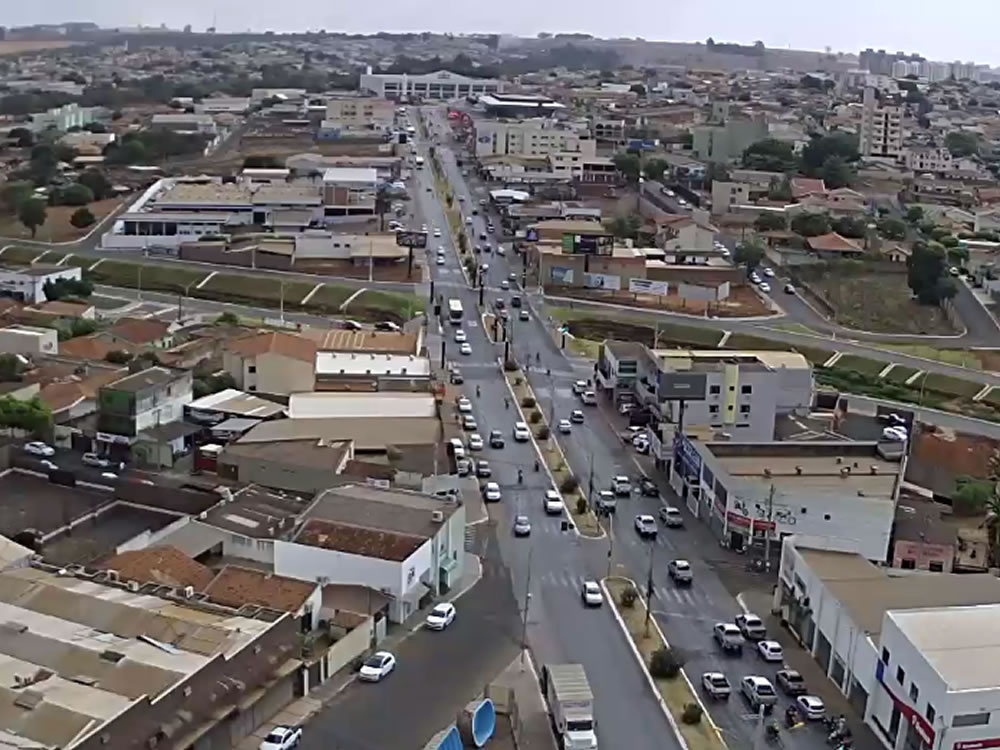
(663,595)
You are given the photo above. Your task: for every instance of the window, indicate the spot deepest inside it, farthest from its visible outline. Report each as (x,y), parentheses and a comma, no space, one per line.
(713,409)
(907,564)
(914,692)
(971,720)
(744,408)
(935,566)
(930,713)
(900,675)
(252,369)
(826,516)
(746,389)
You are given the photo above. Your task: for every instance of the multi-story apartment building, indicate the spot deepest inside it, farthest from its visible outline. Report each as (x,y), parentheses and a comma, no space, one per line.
(722,143)
(360,113)
(534,137)
(881,132)
(440,85)
(141,401)
(928,159)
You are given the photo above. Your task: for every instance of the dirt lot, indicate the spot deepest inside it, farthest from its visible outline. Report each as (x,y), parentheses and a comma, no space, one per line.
(742,302)
(347,269)
(880,302)
(20,48)
(57,227)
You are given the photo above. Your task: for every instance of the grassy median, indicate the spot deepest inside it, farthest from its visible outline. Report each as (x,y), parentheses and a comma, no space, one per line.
(676,692)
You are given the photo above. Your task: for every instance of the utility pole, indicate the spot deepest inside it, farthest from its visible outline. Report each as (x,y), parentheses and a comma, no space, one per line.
(524,611)
(590,483)
(767,528)
(649,587)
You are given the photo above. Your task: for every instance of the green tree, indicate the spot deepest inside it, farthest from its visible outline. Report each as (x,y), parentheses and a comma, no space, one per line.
(914,214)
(97,181)
(749,253)
(715,171)
(971,495)
(227,319)
(961,143)
(628,165)
(638,88)
(892,229)
(625,227)
(32,213)
(654,169)
(818,150)
(11,368)
(926,274)
(82,218)
(780,189)
(850,226)
(23,137)
(768,222)
(770,155)
(75,195)
(835,173)
(810,224)
(33,415)
(15,193)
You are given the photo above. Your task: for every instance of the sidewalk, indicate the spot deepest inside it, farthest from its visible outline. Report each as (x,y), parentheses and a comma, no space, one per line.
(529,727)
(302,709)
(798,658)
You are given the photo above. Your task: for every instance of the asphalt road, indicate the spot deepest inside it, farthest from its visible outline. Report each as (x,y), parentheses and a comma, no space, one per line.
(550,564)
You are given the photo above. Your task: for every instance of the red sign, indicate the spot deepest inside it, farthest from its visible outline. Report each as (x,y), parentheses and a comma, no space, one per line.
(920,724)
(977,744)
(738,519)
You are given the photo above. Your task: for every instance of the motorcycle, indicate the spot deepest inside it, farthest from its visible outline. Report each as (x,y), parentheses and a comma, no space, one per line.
(771,732)
(792,716)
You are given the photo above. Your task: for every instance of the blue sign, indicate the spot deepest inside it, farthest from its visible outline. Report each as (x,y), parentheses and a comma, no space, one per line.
(687,457)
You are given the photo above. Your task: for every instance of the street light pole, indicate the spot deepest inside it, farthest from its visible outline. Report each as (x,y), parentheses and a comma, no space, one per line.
(767,529)
(524,611)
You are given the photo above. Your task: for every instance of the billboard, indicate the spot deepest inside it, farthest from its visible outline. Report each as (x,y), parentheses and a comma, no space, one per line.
(561,275)
(411,239)
(686,386)
(602,281)
(647,286)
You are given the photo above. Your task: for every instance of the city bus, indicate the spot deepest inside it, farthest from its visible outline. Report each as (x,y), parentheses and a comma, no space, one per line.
(455,312)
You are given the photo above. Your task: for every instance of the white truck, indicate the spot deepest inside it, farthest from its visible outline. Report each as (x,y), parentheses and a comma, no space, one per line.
(571,705)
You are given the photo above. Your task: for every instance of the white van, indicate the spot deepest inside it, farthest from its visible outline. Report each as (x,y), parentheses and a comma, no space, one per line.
(457,448)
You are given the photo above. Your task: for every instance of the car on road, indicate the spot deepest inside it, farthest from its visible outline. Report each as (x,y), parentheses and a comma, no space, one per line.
(491,492)
(483,470)
(893,419)
(565,426)
(630,434)
(441,616)
(482,201)
(621,485)
(496,439)
(50,465)
(469,423)
(522,526)
(645,526)
(440,260)
(769,272)
(501,250)
(465,349)
(764,287)
(464,405)
(455,376)
(758,691)
(770,651)
(680,572)
(38,448)
(589,398)
(751,626)
(789,289)
(716,685)
(791,682)
(728,636)
(388,326)
(591,594)
(282,738)
(897,434)
(576,416)
(504,284)
(475,442)
(671,517)
(755,277)
(648,488)
(524,315)
(468,220)
(641,444)
(606,502)
(499,304)
(483,237)
(423,227)
(521,432)
(460,336)
(553,503)
(96,460)
(377,666)
(579,387)
(811,707)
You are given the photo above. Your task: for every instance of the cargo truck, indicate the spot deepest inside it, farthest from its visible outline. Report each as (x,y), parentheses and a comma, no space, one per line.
(571,705)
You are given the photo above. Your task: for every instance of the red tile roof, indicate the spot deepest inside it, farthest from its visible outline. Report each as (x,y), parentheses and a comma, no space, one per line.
(807,186)
(359,540)
(164,565)
(235,586)
(90,347)
(139,331)
(833,243)
(275,342)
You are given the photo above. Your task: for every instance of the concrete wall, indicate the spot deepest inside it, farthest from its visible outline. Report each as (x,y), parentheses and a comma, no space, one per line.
(277,474)
(284,375)
(196,538)
(351,646)
(14,341)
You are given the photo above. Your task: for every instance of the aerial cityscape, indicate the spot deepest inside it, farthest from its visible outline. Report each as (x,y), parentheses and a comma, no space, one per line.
(427,391)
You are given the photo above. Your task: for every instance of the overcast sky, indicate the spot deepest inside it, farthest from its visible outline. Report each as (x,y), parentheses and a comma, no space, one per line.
(846,25)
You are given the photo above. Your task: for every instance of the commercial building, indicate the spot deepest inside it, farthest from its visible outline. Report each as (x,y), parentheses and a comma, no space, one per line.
(272,362)
(913,653)
(881,133)
(307,465)
(142,401)
(519,105)
(65,117)
(186,123)
(408,545)
(30,340)
(723,143)
(838,492)
(223,105)
(349,192)
(441,85)
(28,284)
(354,371)
(531,138)
(360,113)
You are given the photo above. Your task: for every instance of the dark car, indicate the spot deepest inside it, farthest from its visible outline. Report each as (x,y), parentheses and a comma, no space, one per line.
(791,682)
(515,300)
(456,377)
(387,325)
(496,439)
(648,487)
(499,304)
(483,470)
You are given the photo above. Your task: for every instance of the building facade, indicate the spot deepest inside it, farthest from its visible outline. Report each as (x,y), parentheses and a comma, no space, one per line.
(361,113)
(881,133)
(441,85)
(527,138)
(28,284)
(143,400)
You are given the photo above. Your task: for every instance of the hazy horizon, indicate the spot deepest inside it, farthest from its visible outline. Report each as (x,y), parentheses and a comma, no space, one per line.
(890,24)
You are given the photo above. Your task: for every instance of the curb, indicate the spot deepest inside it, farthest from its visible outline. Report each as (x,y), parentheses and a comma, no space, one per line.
(688,316)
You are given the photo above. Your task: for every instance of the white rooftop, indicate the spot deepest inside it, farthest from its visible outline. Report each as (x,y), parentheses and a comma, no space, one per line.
(353,405)
(350,174)
(361,363)
(962,644)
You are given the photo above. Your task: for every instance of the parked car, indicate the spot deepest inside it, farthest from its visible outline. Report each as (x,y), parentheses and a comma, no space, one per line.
(811,707)
(455,377)
(758,691)
(764,287)
(671,517)
(38,448)
(897,434)
(716,685)
(388,325)
(728,637)
(751,626)
(441,616)
(791,682)
(464,405)
(469,423)
(645,526)
(96,460)
(377,666)
(680,572)
(282,738)
(591,594)
(770,651)
(49,465)
(522,526)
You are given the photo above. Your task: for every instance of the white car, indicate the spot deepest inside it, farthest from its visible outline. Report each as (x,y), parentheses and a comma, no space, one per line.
(475,442)
(377,666)
(565,426)
(500,250)
(764,287)
(440,260)
(460,337)
(521,432)
(441,616)
(51,466)
(553,503)
(769,273)
(423,227)
(770,651)
(671,517)
(465,349)
(464,405)
(522,526)
(437,232)
(591,593)
(811,707)
(716,685)
(645,526)
(491,492)
(282,738)
(897,433)
(504,284)
(37,448)
(758,691)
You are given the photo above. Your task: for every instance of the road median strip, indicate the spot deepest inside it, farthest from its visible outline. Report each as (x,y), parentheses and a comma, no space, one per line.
(673,694)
